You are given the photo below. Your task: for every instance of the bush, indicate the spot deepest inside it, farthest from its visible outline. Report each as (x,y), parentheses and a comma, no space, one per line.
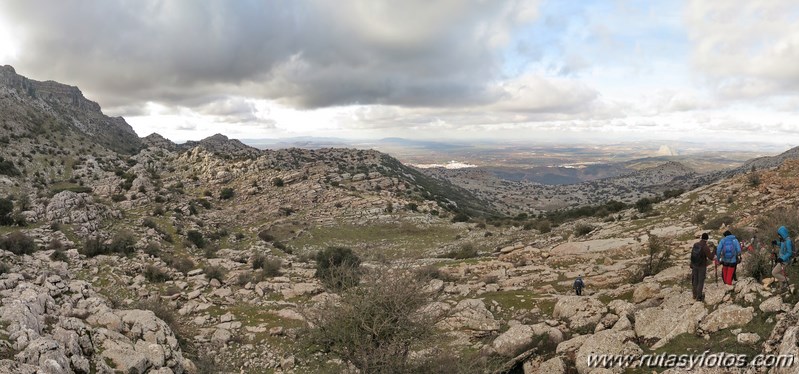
(215,272)
(6,209)
(155,275)
(59,255)
(118,197)
(4,268)
(338,267)
(282,247)
(18,243)
(698,218)
(658,258)
(643,205)
(55,245)
(227,193)
(271,267)
(181,264)
(93,247)
(7,168)
(266,236)
(278,182)
(758,264)
(465,251)
(375,325)
(196,238)
(460,217)
(717,222)
(754,179)
(122,243)
(413,207)
(544,226)
(153,249)
(583,229)
(428,272)
(258,261)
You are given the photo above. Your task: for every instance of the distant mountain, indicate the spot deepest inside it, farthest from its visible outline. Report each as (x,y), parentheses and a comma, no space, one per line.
(760,163)
(221,144)
(31,107)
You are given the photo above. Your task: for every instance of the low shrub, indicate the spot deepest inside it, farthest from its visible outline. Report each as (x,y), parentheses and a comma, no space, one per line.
(338,267)
(154,274)
(59,255)
(583,229)
(463,252)
(18,243)
(215,272)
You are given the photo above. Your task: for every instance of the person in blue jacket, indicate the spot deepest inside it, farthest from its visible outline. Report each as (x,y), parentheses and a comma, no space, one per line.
(783,256)
(728,252)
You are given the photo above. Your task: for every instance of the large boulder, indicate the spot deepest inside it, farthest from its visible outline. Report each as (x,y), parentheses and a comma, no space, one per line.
(608,342)
(520,338)
(645,291)
(726,316)
(554,365)
(580,311)
(677,315)
(773,305)
(471,314)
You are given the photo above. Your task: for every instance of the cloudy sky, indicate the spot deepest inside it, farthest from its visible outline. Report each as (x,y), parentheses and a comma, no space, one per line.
(524,70)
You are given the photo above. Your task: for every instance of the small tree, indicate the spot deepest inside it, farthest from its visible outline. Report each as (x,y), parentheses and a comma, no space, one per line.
(196,238)
(643,205)
(658,258)
(338,267)
(374,325)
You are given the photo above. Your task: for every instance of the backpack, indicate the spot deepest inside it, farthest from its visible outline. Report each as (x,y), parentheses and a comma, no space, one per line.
(578,283)
(728,251)
(696,255)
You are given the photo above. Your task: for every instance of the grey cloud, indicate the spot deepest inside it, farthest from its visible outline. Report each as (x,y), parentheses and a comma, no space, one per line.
(303,53)
(746,49)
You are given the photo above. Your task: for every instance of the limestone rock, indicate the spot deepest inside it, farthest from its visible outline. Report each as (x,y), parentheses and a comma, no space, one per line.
(471,314)
(727,316)
(645,291)
(580,311)
(773,305)
(606,342)
(677,315)
(520,338)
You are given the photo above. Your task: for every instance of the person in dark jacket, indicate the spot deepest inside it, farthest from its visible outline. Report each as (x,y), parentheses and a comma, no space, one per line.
(699,267)
(578,285)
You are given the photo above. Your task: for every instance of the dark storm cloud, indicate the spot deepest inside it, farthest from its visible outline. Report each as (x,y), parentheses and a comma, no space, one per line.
(303,53)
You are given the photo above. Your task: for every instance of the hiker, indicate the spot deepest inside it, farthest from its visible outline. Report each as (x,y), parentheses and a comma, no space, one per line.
(578,285)
(783,258)
(700,255)
(728,253)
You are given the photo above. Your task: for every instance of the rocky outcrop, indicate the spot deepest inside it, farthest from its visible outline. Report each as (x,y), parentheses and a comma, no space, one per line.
(677,315)
(727,316)
(606,342)
(580,311)
(59,325)
(520,338)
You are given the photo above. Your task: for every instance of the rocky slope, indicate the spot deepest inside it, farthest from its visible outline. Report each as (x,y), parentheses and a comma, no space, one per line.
(201,258)
(31,108)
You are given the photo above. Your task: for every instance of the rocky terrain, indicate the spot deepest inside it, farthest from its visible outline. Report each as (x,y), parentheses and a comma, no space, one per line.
(149,256)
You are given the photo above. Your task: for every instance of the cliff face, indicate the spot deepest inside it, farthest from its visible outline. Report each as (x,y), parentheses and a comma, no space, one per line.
(65,106)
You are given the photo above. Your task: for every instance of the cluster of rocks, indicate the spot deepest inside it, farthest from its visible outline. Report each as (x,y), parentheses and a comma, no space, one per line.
(53,323)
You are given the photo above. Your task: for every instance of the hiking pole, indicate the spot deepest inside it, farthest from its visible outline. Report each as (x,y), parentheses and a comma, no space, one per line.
(716,266)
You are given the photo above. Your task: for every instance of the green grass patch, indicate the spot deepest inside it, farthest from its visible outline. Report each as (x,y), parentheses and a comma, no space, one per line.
(377,241)
(66,186)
